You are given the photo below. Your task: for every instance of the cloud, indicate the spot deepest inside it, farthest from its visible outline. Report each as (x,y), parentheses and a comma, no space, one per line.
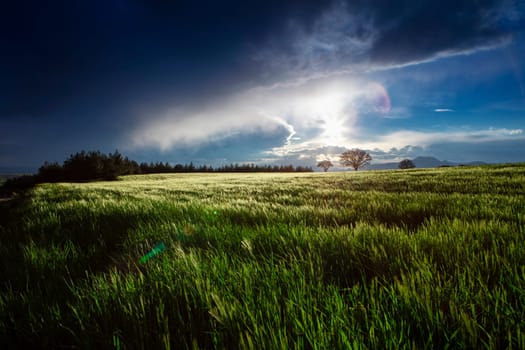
(395,154)
(498,151)
(336,40)
(400,139)
(319,111)
(317,92)
(413,33)
(397,145)
(352,36)
(515,132)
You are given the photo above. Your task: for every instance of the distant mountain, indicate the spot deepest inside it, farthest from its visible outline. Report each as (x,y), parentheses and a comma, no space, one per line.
(430,162)
(381,166)
(421,162)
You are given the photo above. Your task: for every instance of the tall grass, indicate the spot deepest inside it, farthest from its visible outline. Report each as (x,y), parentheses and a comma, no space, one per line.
(390,259)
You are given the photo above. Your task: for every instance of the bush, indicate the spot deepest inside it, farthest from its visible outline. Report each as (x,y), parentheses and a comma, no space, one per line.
(88,166)
(406,164)
(18,184)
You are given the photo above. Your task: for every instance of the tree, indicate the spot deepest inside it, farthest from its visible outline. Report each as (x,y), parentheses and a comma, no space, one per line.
(325,164)
(51,172)
(84,166)
(406,164)
(355,158)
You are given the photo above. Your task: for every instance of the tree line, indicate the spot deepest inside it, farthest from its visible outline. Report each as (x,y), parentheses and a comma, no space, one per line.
(159,167)
(85,166)
(92,166)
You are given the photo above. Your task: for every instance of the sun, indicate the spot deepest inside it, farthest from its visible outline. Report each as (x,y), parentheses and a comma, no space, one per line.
(331,115)
(333,130)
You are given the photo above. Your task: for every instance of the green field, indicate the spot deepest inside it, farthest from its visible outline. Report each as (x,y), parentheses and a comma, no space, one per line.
(382,260)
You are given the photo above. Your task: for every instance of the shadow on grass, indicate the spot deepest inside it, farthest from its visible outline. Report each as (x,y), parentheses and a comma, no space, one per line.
(40,262)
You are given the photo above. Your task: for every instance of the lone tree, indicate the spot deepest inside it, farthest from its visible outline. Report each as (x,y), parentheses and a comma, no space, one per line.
(355,158)
(406,164)
(325,164)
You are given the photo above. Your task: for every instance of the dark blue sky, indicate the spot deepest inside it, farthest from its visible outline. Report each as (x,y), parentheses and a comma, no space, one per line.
(262,81)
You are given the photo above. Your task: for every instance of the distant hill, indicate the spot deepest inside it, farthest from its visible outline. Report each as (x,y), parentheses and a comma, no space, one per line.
(430,162)
(421,162)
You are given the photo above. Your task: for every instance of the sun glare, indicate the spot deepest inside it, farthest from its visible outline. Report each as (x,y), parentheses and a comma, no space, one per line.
(326,112)
(333,130)
(330,115)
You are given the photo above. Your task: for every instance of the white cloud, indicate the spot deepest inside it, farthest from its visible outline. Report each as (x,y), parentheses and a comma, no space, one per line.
(443,110)
(320,111)
(398,145)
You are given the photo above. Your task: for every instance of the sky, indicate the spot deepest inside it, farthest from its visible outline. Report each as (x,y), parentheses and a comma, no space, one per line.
(265,82)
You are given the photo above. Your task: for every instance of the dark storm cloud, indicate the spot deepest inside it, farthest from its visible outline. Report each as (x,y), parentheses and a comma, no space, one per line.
(411,31)
(62,54)
(356,35)
(57,54)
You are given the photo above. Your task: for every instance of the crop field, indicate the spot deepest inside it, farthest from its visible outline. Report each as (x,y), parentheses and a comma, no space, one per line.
(431,258)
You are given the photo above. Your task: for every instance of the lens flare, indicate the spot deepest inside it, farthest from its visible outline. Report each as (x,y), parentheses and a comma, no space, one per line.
(378,98)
